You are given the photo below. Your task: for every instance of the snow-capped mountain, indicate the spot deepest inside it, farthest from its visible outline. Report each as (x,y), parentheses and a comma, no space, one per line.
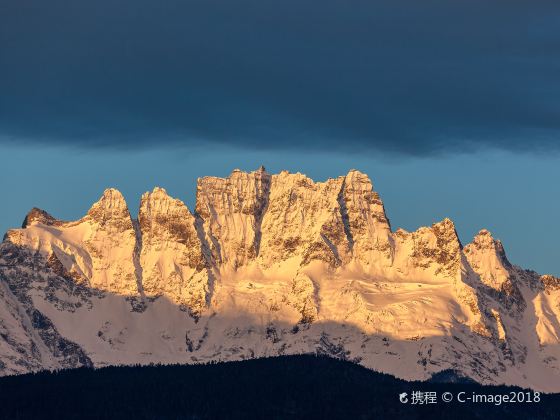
(269,265)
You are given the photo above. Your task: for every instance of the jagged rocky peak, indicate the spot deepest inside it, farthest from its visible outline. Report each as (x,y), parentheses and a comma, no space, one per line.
(437,247)
(449,243)
(488,259)
(358,180)
(231,209)
(112,199)
(37,215)
(111,209)
(171,254)
(364,217)
(445,231)
(439,232)
(484,243)
(110,241)
(241,192)
(288,215)
(166,219)
(303,220)
(157,206)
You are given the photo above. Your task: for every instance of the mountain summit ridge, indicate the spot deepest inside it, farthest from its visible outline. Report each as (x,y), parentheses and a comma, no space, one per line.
(269,264)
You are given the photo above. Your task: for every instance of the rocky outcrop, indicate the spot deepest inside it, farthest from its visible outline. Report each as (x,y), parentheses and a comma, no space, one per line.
(171,259)
(435,251)
(110,240)
(487,257)
(36,215)
(232,210)
(303,222)
(366,224)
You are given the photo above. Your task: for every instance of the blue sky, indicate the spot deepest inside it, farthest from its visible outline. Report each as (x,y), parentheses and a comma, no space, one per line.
(451,107)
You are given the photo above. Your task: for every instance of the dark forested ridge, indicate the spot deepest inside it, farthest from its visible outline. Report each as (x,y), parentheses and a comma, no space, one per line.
(275,388)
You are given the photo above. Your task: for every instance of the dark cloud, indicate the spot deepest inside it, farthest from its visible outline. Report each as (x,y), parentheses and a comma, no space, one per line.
(411,77)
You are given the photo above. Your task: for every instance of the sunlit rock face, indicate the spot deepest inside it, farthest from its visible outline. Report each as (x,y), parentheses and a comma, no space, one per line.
(268,265)
(232,210)
(366,224)
(171,253)
(303,222)
(487,257)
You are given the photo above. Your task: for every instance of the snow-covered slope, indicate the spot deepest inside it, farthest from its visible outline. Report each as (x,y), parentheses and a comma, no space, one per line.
(268,265)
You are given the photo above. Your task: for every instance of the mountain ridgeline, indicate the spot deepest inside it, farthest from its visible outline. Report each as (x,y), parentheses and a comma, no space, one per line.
(269,265)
